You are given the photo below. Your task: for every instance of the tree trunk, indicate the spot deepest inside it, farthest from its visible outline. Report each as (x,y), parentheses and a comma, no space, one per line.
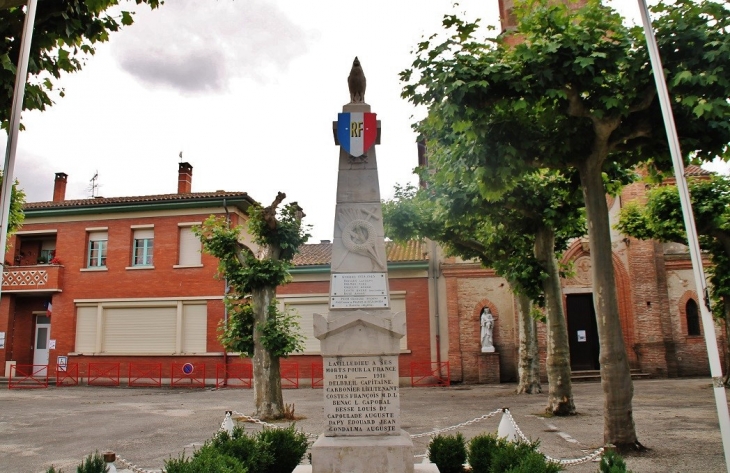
(560,388)
(268,398)
(618,389)
(529,366)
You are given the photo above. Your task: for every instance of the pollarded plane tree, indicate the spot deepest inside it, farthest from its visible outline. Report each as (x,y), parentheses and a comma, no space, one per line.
(576,93)
(517,235)
(256,326)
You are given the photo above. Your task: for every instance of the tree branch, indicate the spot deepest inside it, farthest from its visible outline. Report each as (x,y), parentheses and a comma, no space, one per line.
(646,102)
(575,104)
(269,213)
(642,130)
(241,254)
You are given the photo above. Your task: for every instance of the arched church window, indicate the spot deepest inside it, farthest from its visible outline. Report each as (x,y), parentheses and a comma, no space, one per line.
(693,318)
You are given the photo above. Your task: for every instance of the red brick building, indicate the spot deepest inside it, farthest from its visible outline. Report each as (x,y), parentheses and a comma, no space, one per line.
(122,281)
(658,307)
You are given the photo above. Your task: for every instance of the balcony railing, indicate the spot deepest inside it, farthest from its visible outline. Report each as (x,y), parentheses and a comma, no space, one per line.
(35,278)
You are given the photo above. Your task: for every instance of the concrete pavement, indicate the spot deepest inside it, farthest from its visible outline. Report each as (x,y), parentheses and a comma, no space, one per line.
(675,418)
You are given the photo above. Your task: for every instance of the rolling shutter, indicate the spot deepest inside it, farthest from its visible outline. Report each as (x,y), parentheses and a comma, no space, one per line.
(306,313)
(189,248)
(194,328)
(85,329)
(139,330)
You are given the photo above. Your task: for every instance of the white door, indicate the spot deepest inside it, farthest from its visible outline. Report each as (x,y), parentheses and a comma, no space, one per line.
(40,347)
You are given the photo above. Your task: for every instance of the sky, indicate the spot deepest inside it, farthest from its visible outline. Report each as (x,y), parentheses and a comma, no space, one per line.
(246,90)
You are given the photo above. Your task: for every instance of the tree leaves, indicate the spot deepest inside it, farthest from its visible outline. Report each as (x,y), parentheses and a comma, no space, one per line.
(64,33)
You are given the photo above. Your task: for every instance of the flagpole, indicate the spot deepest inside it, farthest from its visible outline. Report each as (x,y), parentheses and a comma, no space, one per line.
(708,323)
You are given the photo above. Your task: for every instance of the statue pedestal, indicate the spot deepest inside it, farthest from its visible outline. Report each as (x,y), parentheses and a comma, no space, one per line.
(362,404)
(489,368)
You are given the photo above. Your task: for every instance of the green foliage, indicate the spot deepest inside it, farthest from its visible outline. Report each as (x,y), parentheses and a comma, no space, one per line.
(237,334)
(65,34)
(520,457)
(205,460)
(52,469)
(17,200)
(281,333)
(288,235)
(94,463)
(448,452)
(287,446)
(612,462)
(269,451)
(498,110)
(499,232)
(481,449)
(661,218)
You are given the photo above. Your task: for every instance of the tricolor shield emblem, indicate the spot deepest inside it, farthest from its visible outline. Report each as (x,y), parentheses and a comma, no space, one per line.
(357,132)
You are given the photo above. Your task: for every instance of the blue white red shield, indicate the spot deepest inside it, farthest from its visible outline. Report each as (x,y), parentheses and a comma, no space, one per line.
(357,132)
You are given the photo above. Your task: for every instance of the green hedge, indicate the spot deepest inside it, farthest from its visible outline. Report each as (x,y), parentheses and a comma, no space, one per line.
(269,451)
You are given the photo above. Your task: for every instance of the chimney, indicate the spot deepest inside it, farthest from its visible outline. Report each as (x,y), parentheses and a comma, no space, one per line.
(184,178)
(59,187)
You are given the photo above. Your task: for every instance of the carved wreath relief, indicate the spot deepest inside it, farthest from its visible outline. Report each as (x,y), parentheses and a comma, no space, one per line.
(359,234)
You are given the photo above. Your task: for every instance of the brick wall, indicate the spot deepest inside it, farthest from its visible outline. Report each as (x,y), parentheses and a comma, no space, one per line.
(469,288)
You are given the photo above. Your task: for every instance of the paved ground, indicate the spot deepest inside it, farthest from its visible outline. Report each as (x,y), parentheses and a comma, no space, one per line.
(676,419)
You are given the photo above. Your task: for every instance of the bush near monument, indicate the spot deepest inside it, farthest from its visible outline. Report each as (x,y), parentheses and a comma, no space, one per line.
(488,454)
(268,451)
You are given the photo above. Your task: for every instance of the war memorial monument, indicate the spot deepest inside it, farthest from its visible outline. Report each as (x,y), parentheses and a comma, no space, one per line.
(360,335)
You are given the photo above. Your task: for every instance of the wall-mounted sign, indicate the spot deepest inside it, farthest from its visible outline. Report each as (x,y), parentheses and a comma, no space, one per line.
(581,335)
(52,344)
(188,368)
(61,363)
(2,339)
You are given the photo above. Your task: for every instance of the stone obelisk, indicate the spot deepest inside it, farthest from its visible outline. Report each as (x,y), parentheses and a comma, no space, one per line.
(360,335)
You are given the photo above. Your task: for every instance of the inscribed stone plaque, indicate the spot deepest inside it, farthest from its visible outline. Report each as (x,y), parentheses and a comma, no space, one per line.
(358,290)
(361,395)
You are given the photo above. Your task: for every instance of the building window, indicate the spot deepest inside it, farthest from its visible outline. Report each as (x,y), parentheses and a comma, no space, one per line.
(142,248)
(137,328)
(693,318)
(190,247)
(97,249)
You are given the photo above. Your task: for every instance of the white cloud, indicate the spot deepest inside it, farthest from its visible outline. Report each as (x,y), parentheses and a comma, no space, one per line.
(200,46)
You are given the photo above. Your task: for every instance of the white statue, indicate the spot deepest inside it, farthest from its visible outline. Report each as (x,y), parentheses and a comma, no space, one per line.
(487,323)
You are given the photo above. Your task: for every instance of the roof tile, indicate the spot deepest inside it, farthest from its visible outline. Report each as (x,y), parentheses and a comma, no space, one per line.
(104,201)
(321,253)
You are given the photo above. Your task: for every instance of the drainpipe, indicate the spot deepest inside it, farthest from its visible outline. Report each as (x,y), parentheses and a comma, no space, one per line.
(226,288)
(434,270)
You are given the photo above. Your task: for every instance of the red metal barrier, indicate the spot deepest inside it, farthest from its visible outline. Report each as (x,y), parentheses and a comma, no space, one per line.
(187,375)
(317,376)
(67,375)
(145,375)
(430,374)
(289,375)
(103,374)
(238,375)
(28,376)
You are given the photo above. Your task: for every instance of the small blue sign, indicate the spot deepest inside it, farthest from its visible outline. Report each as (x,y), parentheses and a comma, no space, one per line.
(188,368)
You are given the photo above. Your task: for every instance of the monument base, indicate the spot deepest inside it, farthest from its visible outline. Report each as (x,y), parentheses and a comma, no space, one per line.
(489,368)
(371,454)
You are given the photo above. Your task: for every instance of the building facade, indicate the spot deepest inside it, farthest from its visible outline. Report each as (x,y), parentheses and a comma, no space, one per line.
(104,282)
